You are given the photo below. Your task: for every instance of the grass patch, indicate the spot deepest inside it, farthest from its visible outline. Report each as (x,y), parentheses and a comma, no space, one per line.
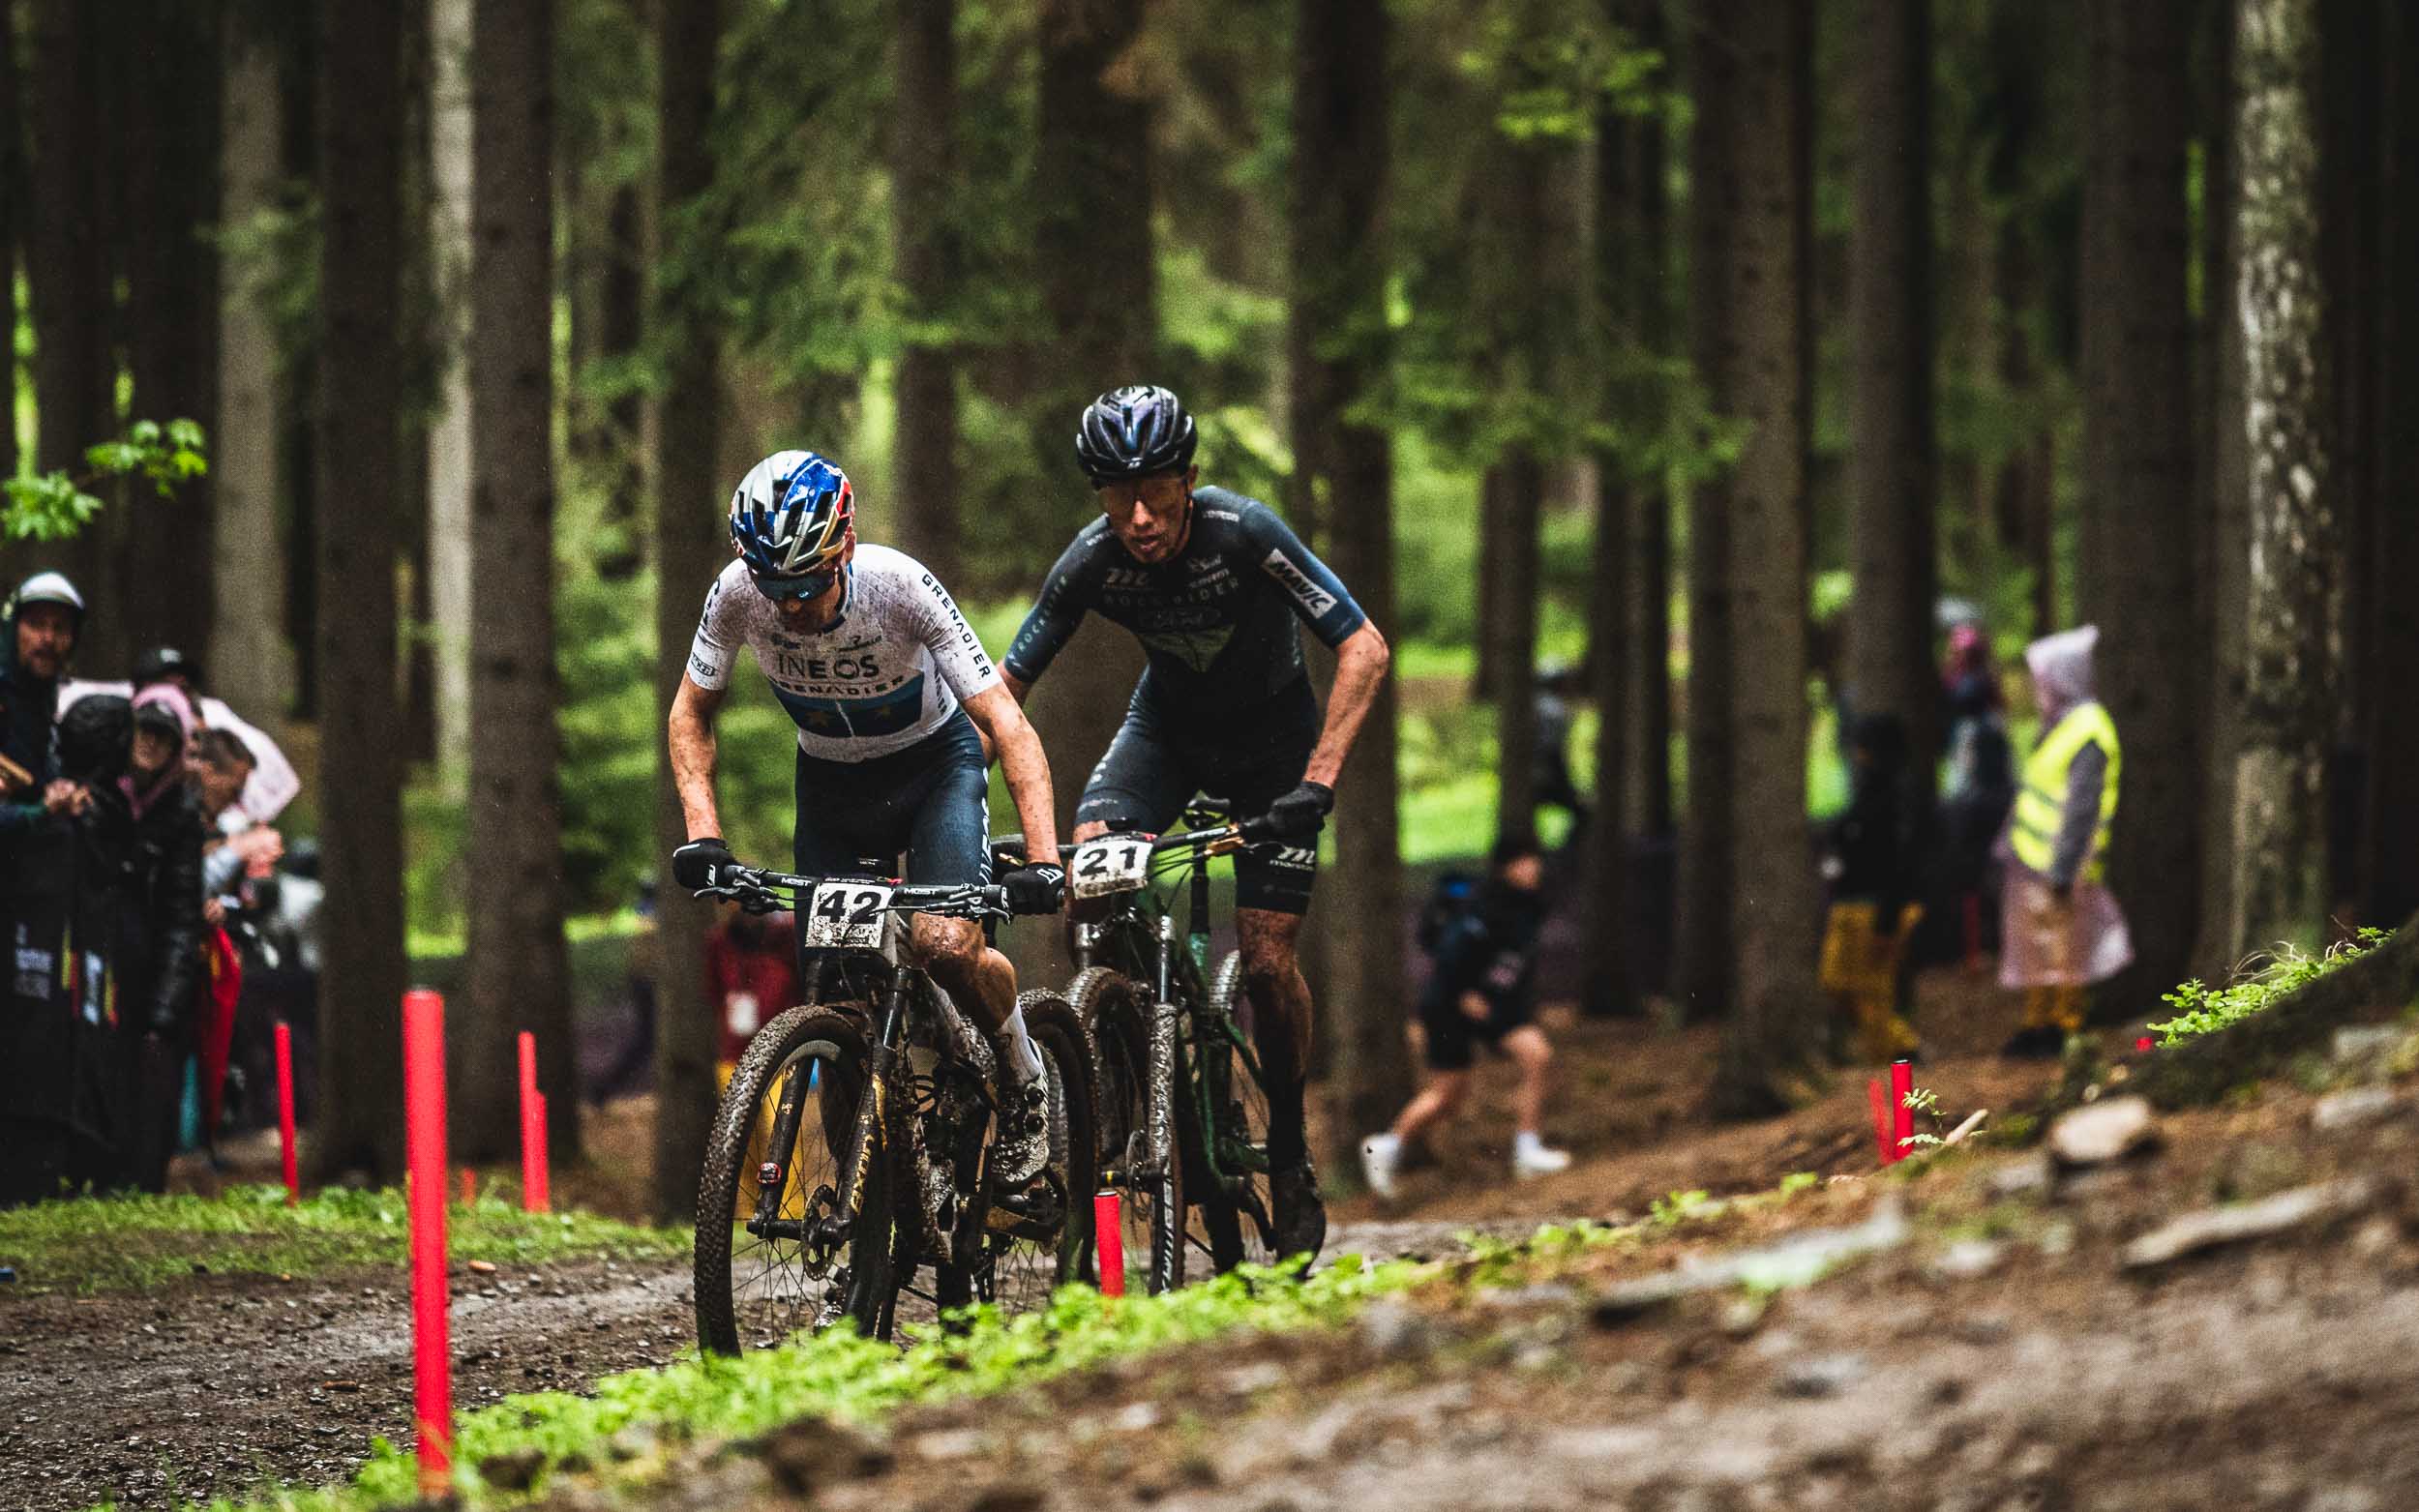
(119,1243)
(2203,1010)
(841,1376)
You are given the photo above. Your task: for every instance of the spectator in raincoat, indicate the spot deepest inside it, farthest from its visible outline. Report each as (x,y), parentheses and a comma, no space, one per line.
(2061,930)
(159,955)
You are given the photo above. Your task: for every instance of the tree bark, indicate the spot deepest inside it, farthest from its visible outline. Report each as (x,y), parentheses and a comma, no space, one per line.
(172,313)
(1892,470)
(68,271)
(2291,671)
(621,326)
(1345,473)
(2136,577)
(2226,528)
(1705,971)
(1092,181)
(251,665)
(449,443)
(1650,804)
(689,550)
(12,196)
(2393,633)
(357,445)
(923,169)
(1757,372)
(518,976)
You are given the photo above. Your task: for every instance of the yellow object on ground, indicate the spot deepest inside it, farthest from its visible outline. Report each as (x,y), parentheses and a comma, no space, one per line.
(1859,968)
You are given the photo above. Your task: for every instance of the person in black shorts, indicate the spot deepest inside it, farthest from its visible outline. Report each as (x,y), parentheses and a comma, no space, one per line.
(1213,584)
(1482,991)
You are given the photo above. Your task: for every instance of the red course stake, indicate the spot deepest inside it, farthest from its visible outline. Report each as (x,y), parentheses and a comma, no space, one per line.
(424,1130)
(1109,1238)
(286,1112)
(1901,1116)
(534,1192)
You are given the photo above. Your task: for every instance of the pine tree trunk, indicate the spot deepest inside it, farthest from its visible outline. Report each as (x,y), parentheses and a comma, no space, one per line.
(2136,579)
(1891,463)
(1758,373)
(519,977)
(690,549)
(1705,970)
(1650,806)
(1093,185)
(449,443)
(923,169)
(355,450)
(2351,200)
(12,196)
(2291,675)
(1514,638)
(173,311)
(621,325)
(1344,470)
(2393,633)
(251,664)
(2225,551)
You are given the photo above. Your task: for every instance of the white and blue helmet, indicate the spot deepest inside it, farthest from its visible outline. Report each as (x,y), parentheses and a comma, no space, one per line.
(790,516)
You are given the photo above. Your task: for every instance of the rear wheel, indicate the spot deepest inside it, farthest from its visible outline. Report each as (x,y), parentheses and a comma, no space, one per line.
(773,1254)
(1152,1217)
(1236,1218)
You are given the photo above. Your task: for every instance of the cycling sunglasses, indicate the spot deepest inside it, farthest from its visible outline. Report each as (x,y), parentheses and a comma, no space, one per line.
(785,588)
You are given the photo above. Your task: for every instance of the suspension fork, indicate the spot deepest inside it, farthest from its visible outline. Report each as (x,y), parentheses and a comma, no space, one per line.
(1160,1138)
(865,1135)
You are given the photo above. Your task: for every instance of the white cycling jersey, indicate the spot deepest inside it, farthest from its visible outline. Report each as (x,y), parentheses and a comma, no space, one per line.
(890,670)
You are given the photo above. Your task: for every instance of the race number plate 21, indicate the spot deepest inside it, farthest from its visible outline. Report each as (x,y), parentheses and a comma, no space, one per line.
(1111,863)
(847,916)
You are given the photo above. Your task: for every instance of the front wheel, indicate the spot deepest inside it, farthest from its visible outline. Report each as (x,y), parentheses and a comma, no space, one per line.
(1236,1208)
(779,1245)
(1119,1012)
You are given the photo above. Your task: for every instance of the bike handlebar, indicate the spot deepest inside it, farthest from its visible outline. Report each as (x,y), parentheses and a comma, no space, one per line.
(751,886)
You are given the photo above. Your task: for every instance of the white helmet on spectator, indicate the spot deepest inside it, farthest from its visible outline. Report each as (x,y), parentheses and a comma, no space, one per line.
(46,588)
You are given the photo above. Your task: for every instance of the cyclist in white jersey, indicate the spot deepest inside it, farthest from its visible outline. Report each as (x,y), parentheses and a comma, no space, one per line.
(888,686)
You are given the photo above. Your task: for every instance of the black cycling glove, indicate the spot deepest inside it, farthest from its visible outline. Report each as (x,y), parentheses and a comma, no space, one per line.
(700,862)
(1301,812)
(1036,887)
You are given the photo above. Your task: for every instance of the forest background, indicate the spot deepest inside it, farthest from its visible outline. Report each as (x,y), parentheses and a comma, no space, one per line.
(1705,344)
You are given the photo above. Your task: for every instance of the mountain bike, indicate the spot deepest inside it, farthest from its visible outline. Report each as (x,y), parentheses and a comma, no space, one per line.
(1183,1116)
(851,1148)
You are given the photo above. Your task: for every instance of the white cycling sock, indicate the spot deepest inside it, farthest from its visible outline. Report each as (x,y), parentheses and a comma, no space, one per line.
(1026,1060)
(1527,1142)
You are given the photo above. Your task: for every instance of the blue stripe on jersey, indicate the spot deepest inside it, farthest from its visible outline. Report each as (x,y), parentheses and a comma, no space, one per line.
(840,718)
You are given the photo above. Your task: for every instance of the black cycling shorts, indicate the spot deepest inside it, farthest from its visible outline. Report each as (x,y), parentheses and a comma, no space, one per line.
(1249,759)
(930,801)
(1451,1034)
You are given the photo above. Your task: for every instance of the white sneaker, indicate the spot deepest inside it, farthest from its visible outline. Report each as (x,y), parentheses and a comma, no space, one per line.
(1380,1156)
(1536,1160)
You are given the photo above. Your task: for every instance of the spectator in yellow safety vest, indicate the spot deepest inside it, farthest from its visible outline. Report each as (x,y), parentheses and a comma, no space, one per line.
(2062,931)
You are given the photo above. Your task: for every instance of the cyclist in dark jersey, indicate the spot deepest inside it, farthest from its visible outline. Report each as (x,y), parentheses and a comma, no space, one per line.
(1212,583)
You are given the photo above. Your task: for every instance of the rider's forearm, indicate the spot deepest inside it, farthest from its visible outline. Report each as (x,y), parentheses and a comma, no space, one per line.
(1016,685)
(1028,772)
(1360,664)
(691,736)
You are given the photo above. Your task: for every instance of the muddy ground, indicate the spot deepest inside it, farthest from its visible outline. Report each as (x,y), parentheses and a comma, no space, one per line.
(220,1383)
(1996,1354)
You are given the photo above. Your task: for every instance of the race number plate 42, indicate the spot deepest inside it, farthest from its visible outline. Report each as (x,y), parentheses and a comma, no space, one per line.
(1111,863)
(847,916)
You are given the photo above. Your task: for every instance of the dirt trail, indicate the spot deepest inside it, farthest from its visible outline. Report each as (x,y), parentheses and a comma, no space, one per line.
(212,1385)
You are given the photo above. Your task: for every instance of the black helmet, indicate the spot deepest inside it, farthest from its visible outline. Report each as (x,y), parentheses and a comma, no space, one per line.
(162,663)
(1134,433)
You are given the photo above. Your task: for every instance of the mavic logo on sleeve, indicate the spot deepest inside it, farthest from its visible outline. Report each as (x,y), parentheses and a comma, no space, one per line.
(1314,599)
